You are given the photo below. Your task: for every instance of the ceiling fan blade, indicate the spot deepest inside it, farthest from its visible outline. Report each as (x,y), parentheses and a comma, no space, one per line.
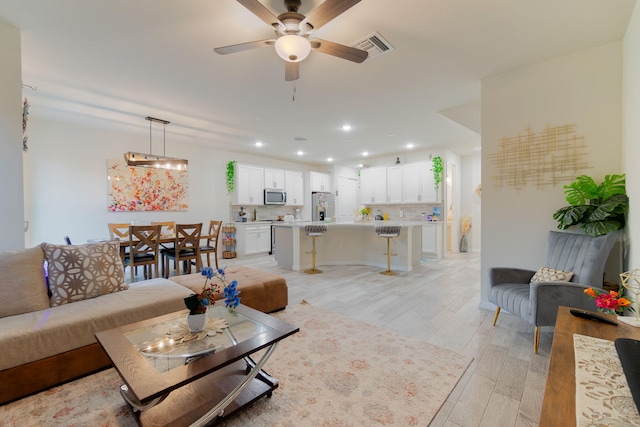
(291,71)
(263,13)
(243,46)
(341,51)
(324,13)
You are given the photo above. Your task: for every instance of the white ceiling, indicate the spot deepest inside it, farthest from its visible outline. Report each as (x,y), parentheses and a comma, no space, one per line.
(109,64)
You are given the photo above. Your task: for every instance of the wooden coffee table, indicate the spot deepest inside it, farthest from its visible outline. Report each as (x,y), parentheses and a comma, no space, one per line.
(197,380)
(559,404)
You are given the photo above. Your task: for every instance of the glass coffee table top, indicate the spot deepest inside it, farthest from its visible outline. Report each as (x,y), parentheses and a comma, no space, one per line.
(169,344)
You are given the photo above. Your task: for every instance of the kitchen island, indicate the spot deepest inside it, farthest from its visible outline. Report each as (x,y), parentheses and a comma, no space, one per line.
(349,243)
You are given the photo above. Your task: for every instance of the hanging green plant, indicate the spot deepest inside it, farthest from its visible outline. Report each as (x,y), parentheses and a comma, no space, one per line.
(438,171)
(231,171)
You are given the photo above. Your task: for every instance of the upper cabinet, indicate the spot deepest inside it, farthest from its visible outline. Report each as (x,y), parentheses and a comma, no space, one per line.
(373,186)
(395,184)
(294,185)
(419,184)
(411,183)
(320,181)
(249,184)
(274,178)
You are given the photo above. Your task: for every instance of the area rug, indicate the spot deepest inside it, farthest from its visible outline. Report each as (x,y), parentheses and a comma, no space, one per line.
(336,371)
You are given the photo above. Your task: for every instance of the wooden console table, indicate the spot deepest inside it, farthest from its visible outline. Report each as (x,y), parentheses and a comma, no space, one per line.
(559,404)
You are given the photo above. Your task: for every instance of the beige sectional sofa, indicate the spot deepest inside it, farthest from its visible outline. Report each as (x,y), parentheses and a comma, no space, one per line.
(47,334)
(47,327)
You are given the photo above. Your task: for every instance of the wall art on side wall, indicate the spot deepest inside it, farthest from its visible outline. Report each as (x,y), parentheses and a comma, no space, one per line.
(145,189)
(553,155)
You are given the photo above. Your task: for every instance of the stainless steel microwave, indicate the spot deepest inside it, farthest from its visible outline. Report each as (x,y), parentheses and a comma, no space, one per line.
(273,196)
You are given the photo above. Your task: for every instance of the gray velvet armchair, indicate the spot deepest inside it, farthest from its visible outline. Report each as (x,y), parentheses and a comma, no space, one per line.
(538,302)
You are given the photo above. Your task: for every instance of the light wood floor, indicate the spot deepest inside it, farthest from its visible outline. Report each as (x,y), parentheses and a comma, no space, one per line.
(438,303)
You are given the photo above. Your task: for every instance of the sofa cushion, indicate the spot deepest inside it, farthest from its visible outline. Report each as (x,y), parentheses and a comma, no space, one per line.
(79,272)
(22,284)
(35,335)
(260,290)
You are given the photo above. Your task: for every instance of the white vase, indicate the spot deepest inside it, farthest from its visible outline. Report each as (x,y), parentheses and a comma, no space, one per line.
(196,322)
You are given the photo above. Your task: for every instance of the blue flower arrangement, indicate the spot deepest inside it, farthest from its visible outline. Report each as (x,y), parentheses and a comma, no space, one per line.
(198,303)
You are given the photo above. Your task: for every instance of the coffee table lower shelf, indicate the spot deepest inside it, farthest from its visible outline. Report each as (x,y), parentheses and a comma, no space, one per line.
(189,403)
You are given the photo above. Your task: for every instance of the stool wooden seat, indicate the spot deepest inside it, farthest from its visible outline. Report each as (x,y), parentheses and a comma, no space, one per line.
(314,231)
(388,232)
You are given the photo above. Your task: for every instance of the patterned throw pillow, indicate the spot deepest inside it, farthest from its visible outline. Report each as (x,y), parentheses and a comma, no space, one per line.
(546,274)
(78,272)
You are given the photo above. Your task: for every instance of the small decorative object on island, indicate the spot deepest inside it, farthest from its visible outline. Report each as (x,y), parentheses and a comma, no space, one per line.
(611,302)
(198,303)
(631,282)
(465,227)
(365,212)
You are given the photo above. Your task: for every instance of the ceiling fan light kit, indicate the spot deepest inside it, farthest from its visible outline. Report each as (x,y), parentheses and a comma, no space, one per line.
(293,48)
(292,30)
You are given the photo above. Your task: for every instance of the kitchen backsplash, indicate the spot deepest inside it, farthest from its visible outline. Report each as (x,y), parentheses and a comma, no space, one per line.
(410,212)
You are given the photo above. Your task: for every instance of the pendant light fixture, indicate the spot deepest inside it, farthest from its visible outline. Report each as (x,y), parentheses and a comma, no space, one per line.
(154,161)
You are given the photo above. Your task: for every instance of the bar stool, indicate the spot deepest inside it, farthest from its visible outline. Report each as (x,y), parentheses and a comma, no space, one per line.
(314,231)
(388,232)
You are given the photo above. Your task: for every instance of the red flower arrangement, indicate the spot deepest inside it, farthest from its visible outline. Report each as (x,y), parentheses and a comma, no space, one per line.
(611,302)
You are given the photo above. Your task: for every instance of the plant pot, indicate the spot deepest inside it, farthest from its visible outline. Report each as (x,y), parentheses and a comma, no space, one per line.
(196,322)
(463,243)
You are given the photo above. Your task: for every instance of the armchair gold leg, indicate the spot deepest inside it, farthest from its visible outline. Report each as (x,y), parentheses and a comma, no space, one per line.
(495,316)
(536,339)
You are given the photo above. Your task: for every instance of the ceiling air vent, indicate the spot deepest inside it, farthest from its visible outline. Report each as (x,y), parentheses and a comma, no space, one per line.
(375,44)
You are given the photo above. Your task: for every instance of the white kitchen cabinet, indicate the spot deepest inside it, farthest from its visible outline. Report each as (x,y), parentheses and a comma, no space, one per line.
(274,178)
(249,184)
(419,184)
(294,185)
(320,181)
(432,239)
(395,184)
(253,239)
(373,186)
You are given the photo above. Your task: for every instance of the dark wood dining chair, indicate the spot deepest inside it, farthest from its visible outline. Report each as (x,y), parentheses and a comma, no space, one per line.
(186,247)
(212,242)
(143,249)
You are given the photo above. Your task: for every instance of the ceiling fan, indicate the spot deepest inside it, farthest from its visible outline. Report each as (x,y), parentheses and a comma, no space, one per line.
(292,33)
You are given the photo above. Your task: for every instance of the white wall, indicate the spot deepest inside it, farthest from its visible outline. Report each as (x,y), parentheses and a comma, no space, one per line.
(631,131)
(584,88)
(11,193)
(470,178)
(66,181)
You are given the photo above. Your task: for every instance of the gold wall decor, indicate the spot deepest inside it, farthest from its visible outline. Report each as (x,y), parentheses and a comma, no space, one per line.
(553,155)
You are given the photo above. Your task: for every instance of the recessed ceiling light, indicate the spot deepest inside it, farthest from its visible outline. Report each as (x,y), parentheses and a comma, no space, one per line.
(329,159)
(300,153)
(410,145)
(259,144)
(365,153)
(346,127)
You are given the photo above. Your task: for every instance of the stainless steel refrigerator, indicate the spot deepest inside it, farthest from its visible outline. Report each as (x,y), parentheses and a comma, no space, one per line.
(323,206)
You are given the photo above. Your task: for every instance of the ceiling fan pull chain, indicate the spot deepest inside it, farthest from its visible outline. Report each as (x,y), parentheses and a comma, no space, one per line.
(294,92)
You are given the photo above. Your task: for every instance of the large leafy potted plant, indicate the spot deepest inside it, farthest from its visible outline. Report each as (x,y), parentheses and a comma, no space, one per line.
(596,209)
